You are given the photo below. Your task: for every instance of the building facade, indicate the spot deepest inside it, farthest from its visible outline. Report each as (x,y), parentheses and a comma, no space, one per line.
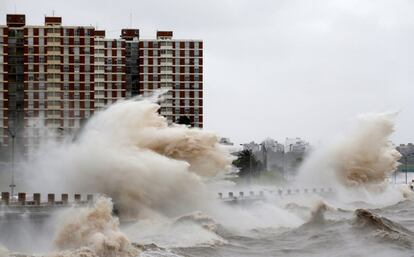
(176,66)
(57,76)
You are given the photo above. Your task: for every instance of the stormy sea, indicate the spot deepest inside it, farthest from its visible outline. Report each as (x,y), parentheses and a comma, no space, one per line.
(157,188)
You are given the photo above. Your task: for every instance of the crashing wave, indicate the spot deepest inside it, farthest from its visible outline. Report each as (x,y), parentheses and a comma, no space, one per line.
(383,227)
(4,252)
(201,219)
(130,153)
(91,232)
(364,158)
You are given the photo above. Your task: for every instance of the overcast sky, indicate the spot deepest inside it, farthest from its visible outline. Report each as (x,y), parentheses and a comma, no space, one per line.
(275,68)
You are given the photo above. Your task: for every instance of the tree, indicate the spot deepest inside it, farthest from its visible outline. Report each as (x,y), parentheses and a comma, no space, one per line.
(247,163)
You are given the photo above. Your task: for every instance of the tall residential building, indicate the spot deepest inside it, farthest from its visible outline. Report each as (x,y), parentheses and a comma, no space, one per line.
(110,84)
(177,66)
(57,76)
(131,36)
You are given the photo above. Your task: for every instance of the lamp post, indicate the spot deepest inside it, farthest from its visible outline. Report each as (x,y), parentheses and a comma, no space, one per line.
(12,184)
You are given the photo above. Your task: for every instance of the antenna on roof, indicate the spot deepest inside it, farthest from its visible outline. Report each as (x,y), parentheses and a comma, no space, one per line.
(15,9)
(53,13)
(130,20)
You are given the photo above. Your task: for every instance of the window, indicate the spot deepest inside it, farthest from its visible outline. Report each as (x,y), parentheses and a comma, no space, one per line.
(78,31)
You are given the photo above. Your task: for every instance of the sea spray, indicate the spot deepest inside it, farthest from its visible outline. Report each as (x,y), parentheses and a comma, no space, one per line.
(3,251)
(130,153)
(363,158)
(93,232)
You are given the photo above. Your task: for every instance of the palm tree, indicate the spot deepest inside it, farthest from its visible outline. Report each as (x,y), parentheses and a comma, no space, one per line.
(247,163)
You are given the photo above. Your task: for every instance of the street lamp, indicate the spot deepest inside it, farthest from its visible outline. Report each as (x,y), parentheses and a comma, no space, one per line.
(12,184)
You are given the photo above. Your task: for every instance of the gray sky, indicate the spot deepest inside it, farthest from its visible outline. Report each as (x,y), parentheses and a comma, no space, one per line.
(275,68)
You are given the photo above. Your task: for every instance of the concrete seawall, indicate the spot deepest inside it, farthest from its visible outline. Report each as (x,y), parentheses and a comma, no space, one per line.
(253,196)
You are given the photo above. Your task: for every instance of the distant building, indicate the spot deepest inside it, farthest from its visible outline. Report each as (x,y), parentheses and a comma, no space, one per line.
(276,157)
(273,145)
(296,145)
(407,159)
(252,146)
(273,155)
(406,148)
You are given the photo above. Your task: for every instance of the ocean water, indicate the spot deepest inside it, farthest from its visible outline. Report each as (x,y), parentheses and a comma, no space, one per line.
(305,226)
(364,232)
(310,225)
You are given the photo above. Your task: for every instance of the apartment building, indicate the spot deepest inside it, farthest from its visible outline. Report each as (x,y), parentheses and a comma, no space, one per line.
(131,37)
(57,76)
(177,66)
(110,68)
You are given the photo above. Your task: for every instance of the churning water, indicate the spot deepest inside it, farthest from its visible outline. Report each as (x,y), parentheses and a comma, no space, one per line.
(161,179)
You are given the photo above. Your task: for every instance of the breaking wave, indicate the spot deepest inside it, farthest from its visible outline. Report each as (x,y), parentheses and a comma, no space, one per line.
(199,218)
(93,232)
(191,230)
(383,227)
(3,251)
(130,153)
(317,214)
(361,161)
(367,156)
